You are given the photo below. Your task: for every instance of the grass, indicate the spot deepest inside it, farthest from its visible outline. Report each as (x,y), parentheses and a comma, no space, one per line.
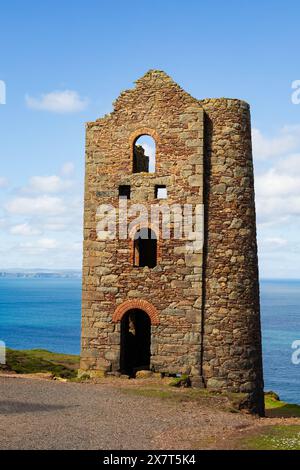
(225,401)
(40,360)
(273,438)
(182,381)
(150,393)
(275,408)
(164,392)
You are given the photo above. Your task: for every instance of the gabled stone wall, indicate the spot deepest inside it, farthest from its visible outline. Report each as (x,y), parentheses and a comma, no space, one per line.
(160,108)
(204,305)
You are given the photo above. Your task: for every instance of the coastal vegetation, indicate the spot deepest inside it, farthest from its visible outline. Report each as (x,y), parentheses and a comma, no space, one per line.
(41,361)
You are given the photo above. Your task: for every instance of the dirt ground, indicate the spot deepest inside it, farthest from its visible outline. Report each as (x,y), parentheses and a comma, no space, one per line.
(39,413)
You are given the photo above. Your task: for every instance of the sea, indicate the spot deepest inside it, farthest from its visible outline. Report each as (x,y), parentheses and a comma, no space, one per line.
(45,313)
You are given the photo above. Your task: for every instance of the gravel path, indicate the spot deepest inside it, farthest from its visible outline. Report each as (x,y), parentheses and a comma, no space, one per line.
(41,414)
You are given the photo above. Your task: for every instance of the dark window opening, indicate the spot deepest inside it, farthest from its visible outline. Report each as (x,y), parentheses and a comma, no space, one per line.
(161,192)
(124,191)
(145,248)
(135,342)
(144,155)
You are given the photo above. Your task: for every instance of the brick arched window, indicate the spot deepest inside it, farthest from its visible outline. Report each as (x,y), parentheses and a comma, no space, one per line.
(133,236)
(144,155)
(143,144)
(138,304)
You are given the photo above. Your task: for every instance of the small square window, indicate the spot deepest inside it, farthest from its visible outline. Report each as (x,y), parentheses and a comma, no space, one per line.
(161,192)
(124,191)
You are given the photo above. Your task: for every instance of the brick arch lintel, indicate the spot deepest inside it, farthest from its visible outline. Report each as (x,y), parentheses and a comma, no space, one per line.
(139,304)
(143,131)
(133,228)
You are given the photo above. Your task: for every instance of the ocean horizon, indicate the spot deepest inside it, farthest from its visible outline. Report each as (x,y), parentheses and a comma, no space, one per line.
(45,312)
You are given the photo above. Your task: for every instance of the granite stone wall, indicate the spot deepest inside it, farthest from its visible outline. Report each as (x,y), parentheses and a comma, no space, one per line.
(203,301)
(159,108)
(232,357)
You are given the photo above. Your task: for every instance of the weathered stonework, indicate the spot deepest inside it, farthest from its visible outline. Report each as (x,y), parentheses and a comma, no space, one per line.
(203,305)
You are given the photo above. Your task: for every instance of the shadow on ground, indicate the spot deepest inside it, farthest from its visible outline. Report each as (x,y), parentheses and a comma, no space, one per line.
(15,407)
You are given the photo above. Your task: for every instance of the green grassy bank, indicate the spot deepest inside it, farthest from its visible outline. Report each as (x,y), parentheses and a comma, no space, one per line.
(40,360)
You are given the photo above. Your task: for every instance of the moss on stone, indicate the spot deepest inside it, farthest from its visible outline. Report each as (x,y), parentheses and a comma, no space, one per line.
(182,381)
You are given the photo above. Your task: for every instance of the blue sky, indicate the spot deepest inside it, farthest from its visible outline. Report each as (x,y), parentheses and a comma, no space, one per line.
(65,62)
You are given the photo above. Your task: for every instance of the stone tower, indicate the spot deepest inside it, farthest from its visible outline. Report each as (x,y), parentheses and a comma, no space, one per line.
(174,305)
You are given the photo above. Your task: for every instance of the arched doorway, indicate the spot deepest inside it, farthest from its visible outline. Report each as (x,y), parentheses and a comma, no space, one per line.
(135,341)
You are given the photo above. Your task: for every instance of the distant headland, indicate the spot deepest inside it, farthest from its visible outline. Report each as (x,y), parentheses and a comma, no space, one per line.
(40,273)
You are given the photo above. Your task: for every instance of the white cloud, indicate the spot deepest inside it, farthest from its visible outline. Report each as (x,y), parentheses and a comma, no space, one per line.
(76,246)
(65,101)
(67,169)
(47,243)
(275,242)
(149,149)
(276,183)
(24,230)
(290,164)
(44,253)
(267,147)
(40,228)
(3,182)
(48,184)
(39,246)
(42,205)
(277,192)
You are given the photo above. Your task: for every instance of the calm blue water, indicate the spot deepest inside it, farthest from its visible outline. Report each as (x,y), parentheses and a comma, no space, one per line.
(45,313)
(280,311)
(41,313)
